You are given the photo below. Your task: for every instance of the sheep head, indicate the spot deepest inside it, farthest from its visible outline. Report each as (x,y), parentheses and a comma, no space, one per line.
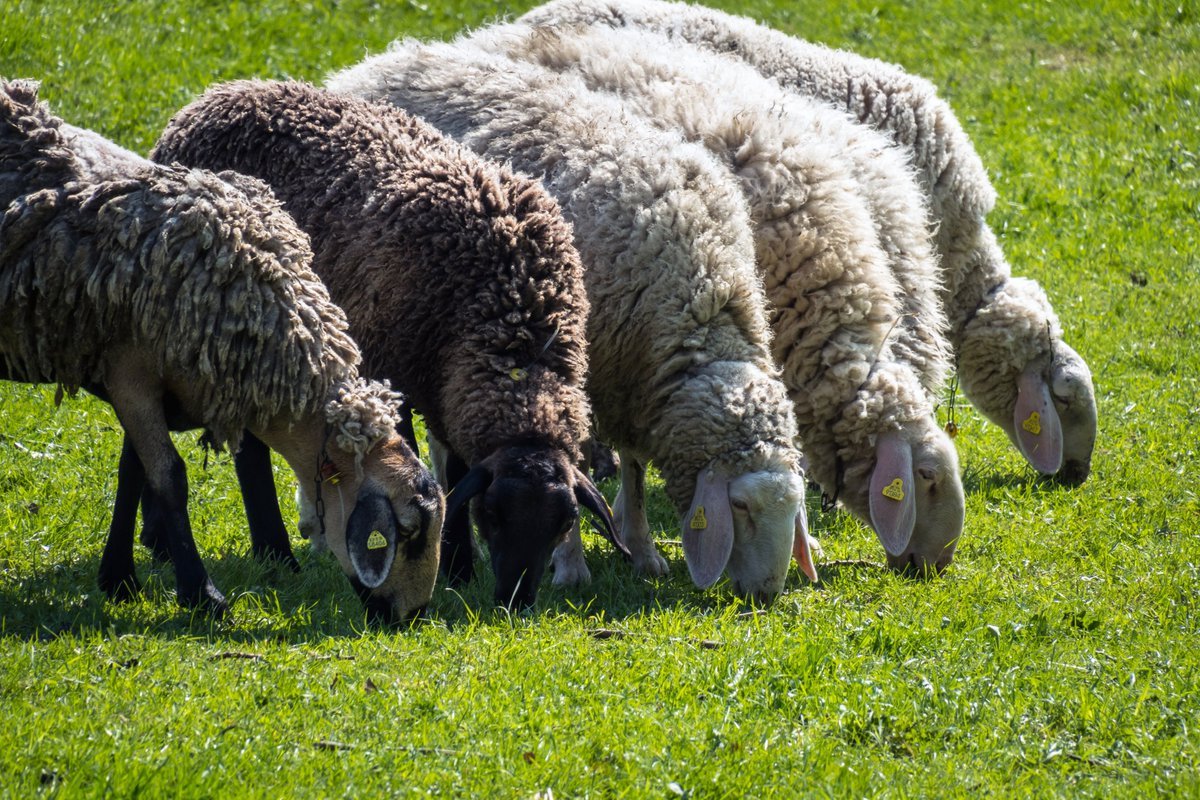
(1054,417)
(748,526)
(526,498)
(382,517)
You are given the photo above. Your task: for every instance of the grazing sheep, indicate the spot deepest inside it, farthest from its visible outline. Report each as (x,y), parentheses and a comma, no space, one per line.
(1012,361)
(824,193)
(681,372)
(185,299)
(461,285)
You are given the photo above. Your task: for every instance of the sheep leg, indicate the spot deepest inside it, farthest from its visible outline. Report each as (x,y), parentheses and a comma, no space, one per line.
(458,556)
(629,514)
(117,577)
(268,537)
(141,414)
(570,567)
(153,534)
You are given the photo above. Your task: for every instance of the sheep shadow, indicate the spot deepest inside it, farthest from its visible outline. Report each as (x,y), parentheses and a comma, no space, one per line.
(271,603)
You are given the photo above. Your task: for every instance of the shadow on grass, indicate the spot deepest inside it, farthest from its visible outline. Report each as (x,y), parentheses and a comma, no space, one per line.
(271,603)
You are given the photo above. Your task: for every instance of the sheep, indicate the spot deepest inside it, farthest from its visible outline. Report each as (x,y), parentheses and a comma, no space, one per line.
(461,284)
(1012,361)
(185,299)
(681,372)
(839,316)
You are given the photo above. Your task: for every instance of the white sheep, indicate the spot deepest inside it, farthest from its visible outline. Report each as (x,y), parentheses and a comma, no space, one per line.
(1012,361)
(825,194)
(681,372)
(185,299)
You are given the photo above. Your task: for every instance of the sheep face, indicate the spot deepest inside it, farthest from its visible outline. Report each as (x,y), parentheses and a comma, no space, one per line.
(912,497)
(768,516)
(525,500)
(382,527)
(940,508)
(1075,401)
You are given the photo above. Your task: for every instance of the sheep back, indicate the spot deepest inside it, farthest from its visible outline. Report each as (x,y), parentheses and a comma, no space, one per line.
(206,272)
(459,277)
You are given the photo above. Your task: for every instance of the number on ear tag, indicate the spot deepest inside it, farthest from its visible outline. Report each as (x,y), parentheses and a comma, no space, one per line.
(1033,424)
(699,521)
(894,490)
(376,541)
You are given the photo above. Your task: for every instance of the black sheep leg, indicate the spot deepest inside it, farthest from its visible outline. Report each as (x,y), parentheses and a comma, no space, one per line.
(458,557)
(140,410)
(268,536)
(153,535)
(117,577)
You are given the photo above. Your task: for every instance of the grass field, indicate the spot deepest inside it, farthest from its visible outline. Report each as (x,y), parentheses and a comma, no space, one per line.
(1058,657)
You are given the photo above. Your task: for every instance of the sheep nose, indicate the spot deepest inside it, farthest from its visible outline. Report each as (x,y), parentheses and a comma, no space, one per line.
(1073,473)
(913,565)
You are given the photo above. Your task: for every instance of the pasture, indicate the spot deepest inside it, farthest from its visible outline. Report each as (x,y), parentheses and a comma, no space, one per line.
(1057,657)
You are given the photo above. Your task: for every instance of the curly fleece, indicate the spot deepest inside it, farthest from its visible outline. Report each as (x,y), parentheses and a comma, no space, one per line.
(409,224)
(836,308)
(907,109)
(819,186)
(205,272)
(667,244)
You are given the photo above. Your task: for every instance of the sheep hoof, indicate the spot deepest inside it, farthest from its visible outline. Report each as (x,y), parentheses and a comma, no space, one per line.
(273,556)
(120,589)
(207,600)
(650,564)
(570,569)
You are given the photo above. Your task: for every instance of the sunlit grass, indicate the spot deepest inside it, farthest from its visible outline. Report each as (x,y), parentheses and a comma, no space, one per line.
(1057,657)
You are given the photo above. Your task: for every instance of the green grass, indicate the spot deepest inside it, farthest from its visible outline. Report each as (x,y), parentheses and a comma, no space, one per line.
(1058,657)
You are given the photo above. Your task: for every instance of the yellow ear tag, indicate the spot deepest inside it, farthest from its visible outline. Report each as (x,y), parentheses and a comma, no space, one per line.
(376,541)
(1033,424)
(699,521)
(894,490)
(518,374)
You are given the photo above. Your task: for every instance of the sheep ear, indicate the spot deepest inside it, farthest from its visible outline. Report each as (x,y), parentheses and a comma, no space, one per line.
(801,550)
(476,481)
(371,534)
(588,496)
(708,529)
(892,494)
(1035,421)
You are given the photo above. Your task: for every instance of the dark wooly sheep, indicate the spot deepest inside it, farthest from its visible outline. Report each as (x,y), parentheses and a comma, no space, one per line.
(1014,365)
(462,287)
(186,300)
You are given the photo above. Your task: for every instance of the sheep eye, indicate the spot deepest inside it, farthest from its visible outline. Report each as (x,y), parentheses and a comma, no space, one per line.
(739,504)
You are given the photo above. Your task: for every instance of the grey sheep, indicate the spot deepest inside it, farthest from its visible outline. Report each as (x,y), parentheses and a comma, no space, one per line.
(186,299)
(462,287)
(1012,361)
(681,372)
(834,206)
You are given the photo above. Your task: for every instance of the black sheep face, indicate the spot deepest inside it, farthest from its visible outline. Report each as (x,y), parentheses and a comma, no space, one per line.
(526,499)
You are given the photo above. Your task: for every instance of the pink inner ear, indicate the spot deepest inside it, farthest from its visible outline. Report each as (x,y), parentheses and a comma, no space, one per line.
(800,548)
(708,529)
(892,494)
(1036,424)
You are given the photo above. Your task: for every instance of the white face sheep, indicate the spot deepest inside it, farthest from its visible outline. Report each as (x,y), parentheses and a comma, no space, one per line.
(461,285)
(185,299)
(843,245)
(681,372)
(1012,361)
